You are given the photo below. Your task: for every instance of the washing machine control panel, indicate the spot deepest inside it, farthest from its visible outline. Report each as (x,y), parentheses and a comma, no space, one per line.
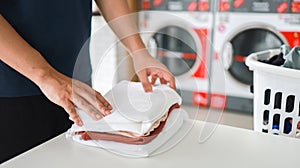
(177,5)
(256,6)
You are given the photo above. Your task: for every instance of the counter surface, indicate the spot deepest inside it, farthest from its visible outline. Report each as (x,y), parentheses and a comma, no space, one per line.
(226,147)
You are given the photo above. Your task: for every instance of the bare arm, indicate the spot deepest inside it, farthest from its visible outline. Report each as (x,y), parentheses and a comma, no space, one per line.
(18,54)
(121,21)
(119,18)
(60,89)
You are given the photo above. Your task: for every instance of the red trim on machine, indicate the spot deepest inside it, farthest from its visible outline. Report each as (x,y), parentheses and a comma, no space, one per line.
(201,70)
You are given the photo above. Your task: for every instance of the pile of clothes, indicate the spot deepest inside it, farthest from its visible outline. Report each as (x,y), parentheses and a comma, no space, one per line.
(138,124)
(289,58)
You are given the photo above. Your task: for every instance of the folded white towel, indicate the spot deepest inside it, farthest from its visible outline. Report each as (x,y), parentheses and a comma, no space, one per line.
(175,121)
(134,110)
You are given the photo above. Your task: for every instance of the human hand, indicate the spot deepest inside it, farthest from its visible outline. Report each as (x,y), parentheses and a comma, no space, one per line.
(145,65)
(57,87)
(69,93)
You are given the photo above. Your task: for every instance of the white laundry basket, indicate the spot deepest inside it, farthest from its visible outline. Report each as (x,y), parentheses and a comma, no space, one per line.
(276,96)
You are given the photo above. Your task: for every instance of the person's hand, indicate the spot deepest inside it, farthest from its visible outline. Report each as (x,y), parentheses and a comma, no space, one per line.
(69,93)
(57,87)
(145,65)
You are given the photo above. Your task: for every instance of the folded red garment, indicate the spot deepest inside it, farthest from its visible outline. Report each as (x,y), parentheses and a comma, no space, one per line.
(88,135)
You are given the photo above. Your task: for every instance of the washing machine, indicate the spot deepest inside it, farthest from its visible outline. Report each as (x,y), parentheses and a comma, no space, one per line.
(241,28)
(180,37)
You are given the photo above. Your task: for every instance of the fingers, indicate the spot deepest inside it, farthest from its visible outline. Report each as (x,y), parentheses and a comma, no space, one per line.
(69,93)
(83,104)
(86,99)
(153,79)
(92,98)
(103,104)
(70,109)
(168,78)
(143,76)
(145,65)
(165,77)
(163,81)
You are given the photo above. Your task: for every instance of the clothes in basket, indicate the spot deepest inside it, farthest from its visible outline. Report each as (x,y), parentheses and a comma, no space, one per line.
(287,58)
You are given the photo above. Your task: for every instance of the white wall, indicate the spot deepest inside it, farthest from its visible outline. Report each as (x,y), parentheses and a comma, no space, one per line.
(103,55)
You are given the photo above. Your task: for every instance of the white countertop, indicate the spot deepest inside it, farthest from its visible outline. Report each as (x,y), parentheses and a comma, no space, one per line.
(227,147)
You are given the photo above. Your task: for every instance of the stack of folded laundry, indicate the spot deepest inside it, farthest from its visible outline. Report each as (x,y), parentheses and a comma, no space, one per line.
(139,123)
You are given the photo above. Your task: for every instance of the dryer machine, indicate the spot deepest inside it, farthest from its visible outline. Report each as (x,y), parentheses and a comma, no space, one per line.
(180,39)
(241,28)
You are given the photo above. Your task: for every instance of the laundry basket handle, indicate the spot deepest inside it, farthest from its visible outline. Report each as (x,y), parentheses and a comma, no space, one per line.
(253,64)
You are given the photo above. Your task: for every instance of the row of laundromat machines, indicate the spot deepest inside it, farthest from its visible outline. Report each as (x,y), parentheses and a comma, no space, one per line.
(204,43)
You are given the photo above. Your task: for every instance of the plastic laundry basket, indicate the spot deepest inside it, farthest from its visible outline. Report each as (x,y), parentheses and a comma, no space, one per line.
(276,96)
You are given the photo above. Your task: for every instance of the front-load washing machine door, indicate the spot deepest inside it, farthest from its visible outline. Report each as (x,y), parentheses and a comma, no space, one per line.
(176,48)
(244,43)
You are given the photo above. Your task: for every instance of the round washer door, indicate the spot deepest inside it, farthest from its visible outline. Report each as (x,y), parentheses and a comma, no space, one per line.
(243,44)
(176,48)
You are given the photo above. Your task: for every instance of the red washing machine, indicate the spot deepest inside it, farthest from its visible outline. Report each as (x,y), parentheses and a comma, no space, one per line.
(178,33)
(241,28)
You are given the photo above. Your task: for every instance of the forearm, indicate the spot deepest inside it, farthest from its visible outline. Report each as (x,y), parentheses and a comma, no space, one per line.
(121,21)
(58,88)
(18,54)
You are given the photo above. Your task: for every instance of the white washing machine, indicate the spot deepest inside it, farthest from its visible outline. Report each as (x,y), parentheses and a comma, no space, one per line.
(241,28)
(180,39)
